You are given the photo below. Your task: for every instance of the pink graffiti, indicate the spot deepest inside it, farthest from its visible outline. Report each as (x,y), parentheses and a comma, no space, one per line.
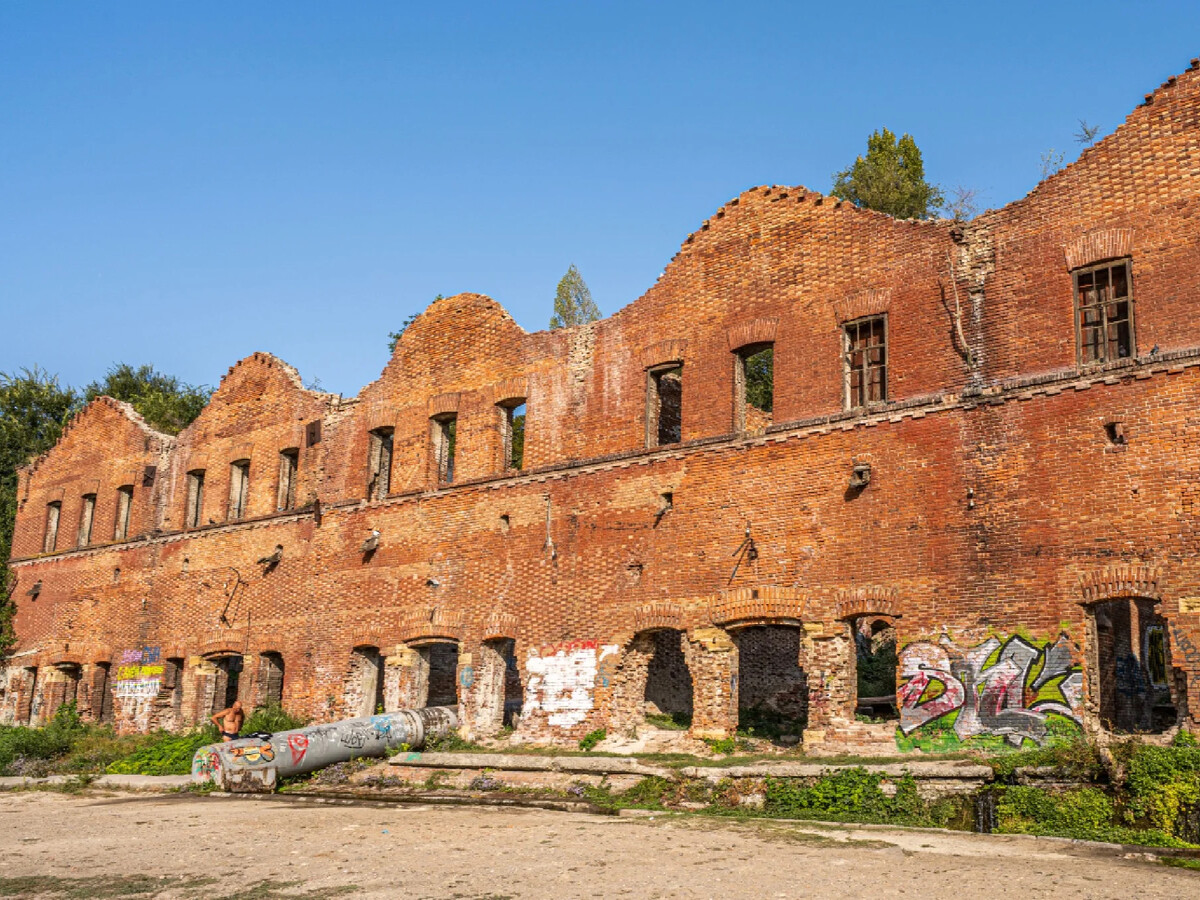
(917,713)
(298,744)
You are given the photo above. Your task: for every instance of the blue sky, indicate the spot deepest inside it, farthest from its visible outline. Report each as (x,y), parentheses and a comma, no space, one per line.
(186,184)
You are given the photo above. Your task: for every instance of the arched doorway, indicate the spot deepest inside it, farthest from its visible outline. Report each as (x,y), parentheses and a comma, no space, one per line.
(1130,666)
(876,664)
(772,685)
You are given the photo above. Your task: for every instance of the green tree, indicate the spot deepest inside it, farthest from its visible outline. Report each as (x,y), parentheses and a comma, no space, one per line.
(394,336)
(890,179)
(573,304)
(34,407)
(164,401)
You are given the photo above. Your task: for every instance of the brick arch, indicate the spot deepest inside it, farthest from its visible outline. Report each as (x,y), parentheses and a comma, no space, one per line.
(1116,582)
(754,331)
(867,601)
(1107,243)
(657,616)
(432,624)
(500,625)
(223,645)
(668,351)
(870,302)
(760,605)
(367,637)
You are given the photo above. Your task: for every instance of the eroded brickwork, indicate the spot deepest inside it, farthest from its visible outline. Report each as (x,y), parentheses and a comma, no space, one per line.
(1024,522)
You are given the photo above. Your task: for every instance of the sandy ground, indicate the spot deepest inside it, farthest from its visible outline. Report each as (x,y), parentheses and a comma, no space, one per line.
(96,846)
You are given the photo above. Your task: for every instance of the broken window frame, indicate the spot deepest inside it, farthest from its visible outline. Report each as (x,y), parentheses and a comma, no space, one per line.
(443,431)
(380,449)
(239,489)
(124,512)
(194,512)
(858,365)
(513,452)
(289,466)
(87,518)
(654,420)
(741,357)
(1100,341)
(53,517)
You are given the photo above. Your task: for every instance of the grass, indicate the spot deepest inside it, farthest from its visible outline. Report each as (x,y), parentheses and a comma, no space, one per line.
(69,746)
(100,887)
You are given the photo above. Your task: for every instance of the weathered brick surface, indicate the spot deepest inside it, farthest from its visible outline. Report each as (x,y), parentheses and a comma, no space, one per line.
(998,509)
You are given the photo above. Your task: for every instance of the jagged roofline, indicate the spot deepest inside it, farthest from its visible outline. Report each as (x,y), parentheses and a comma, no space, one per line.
(746,199)
(1119,132)
(119,406)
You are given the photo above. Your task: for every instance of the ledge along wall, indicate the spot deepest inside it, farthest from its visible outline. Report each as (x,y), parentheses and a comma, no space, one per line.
(1028,531)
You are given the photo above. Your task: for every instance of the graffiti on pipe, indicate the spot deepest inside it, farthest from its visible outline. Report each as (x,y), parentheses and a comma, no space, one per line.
(298,746)
(206,763)
(254,754)
(562,680)
(1008,688)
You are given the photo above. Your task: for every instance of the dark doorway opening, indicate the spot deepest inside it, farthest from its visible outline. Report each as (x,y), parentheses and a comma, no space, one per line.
(772,686)
(669,690)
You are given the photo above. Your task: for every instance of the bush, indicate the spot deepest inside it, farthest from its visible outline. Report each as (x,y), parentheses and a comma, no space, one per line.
(852,795)
(165,753)
(1162,786)
(1080,813)
(272,719)
(19,744)
(592,738)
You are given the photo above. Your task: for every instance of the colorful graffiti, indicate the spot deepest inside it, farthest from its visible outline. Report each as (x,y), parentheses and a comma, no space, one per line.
(1006,688)
(254,753)
(139,674)
(562,679)
(206,763)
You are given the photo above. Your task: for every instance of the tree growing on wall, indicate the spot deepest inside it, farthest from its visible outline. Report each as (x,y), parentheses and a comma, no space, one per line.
(34,407)
(573,304)
(890,179)
(164,401)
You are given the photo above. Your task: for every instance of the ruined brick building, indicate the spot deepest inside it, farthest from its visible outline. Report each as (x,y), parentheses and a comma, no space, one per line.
(982,438)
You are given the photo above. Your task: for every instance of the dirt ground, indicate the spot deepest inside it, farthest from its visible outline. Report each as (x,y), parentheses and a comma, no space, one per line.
(95,846)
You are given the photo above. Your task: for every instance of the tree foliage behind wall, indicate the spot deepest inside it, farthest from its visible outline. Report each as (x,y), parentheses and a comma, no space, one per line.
(34,407)
(890,179)
(573,303)
(166,403)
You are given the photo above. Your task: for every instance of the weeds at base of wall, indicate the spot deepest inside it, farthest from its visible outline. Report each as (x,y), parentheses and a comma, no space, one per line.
(69,746)
(592,738)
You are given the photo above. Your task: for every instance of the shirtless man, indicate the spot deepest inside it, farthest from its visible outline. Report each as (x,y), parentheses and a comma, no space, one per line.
(229,721)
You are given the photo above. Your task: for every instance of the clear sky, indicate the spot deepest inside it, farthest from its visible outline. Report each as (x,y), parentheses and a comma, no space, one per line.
(184,184)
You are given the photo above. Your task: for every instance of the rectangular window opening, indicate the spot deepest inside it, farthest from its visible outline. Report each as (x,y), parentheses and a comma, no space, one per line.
(664,406)
(864,346)
(289,463)
(754,387)
(124,509)
(513,423)
(86,516)
(379,463)
(53,511)
(239,488)
(1104,312)
(195,499)
(445,433)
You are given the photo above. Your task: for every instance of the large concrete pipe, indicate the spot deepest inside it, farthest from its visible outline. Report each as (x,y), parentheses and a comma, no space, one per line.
(256,764)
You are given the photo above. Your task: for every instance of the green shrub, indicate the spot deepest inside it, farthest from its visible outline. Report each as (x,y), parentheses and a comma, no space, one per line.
(272,718)
(592,738)
(1081,813)
(165,753)
(54,741)
(1163,784)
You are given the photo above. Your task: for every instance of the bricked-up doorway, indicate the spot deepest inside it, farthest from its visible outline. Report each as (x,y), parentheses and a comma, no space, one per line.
(270,679)
(496,682)
(669,690)
(772,687)
(364,683)
(1130,666)
(876,664)
(441,661)
(101,694)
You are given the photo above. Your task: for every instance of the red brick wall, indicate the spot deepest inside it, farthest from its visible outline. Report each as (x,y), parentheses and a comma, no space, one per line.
(997,506)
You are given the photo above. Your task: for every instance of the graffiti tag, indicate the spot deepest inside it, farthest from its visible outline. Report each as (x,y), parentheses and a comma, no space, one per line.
(466,677)
(997,688)
(298,745)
